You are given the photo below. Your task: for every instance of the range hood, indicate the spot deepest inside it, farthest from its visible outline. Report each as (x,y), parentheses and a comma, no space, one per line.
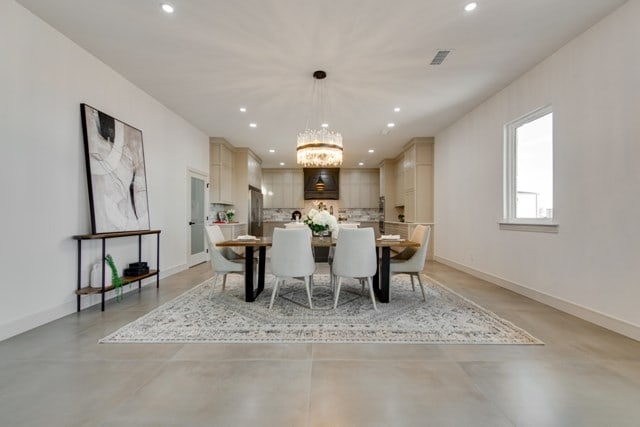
(321,183)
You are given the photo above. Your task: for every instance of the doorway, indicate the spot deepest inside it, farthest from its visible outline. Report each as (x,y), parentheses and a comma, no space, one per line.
(197,214)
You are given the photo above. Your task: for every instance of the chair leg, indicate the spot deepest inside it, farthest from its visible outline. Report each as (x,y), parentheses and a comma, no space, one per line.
(274,292)
(307,284)
(335,304)
(373,297)
(424,297)
(213,285)
(224,281)
(413,287)
(361,286)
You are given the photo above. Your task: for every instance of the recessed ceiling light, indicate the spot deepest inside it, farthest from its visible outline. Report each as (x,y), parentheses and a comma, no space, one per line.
(471,6)
(253,125)
(361,164)
(272,151)
(243,110)
(325,125)
(397,109)
(372,151)
(167,8)
(391,125)
(281,163)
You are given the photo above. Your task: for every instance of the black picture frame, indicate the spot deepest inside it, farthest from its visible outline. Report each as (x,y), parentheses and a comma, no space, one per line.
(116,173)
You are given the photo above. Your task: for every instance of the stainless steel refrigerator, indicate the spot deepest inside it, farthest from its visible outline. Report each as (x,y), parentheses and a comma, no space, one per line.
(255,211)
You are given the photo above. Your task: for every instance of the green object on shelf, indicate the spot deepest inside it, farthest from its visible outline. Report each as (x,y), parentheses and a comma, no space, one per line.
(116,281)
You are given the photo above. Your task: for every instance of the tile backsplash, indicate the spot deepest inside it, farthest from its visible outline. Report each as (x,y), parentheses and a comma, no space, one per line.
(284,214)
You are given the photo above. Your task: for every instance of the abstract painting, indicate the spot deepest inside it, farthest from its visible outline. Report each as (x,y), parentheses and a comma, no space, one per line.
(115,172)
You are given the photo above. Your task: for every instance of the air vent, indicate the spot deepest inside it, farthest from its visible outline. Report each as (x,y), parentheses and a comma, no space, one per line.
(440,57)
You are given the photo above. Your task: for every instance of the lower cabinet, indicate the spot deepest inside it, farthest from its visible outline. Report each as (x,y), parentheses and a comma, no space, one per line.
(404,229)
(233,230)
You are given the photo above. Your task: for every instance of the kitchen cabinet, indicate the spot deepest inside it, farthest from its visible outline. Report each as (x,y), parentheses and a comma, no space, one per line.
(359,188)
(220,171)
(232,230)
(283,188)
(398,199)
(404,230)
(418,181)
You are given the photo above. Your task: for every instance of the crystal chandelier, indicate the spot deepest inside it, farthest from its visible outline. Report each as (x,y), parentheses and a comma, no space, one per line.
(319,147)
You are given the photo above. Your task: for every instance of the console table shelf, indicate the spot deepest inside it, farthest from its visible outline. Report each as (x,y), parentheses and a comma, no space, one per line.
(88,290)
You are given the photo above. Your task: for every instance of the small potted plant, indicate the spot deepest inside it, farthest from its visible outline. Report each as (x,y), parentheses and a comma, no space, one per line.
(230,214)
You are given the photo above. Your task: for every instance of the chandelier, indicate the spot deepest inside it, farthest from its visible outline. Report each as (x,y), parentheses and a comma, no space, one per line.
(319,147)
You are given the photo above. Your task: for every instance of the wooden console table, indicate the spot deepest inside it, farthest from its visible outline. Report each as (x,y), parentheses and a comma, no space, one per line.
(88,290)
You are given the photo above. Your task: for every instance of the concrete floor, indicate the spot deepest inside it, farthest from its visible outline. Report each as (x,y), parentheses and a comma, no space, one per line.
(57,374)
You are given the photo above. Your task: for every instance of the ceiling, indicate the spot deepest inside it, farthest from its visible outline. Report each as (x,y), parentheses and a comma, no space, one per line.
(212,57)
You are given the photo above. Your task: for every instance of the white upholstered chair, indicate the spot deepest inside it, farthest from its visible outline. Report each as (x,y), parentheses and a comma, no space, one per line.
(412,262)
(291,258)
(223,260)
(355,257)
(334,234)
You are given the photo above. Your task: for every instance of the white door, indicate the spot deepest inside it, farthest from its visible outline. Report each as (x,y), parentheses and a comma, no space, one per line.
(197,214)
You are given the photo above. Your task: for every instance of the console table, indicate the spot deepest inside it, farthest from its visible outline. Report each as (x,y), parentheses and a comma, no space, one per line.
(88,290)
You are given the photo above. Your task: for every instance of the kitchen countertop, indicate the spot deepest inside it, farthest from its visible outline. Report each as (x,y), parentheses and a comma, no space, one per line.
(228,223)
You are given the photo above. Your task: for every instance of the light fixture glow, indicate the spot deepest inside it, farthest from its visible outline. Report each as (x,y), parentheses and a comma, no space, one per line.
(167,8)
(243,110)
(397,109)
(391,125)
(471,6)
(319,147)
(253,125)
(281,163)
(372,150)
(272,151)
(361,164)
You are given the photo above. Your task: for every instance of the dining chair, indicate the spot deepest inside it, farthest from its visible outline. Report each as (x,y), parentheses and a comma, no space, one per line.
(214,234)
(291,258)
(334,235)
(223,261)
(355,258)
(412,263)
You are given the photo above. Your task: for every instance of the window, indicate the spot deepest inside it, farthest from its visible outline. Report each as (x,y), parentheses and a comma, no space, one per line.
(528,169)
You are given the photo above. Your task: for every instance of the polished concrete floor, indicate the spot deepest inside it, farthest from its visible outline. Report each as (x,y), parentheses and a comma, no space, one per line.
(57,374)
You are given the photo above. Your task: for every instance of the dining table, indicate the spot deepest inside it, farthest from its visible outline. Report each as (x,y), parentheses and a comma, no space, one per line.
(381,280)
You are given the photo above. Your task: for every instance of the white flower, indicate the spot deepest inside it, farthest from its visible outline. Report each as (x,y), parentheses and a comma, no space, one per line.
(322,218)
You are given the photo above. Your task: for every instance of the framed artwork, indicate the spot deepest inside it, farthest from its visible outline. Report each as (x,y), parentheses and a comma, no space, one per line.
(115,173)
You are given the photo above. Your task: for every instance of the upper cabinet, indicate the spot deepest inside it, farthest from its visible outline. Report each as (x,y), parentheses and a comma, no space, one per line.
(418,181)
(407,181)
(283,188)
(359,188)
(220,171)
(255,171)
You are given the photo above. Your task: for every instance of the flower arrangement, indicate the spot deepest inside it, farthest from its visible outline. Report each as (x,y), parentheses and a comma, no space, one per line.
(230,213)
(319,221)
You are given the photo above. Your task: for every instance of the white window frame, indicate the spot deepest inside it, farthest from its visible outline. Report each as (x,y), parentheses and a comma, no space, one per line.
(509,220)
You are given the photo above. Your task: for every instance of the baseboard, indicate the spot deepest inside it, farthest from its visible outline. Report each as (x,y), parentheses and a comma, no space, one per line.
(32,321)
(617,325)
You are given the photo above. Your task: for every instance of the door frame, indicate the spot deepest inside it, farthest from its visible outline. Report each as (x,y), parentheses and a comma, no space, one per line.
(204,255)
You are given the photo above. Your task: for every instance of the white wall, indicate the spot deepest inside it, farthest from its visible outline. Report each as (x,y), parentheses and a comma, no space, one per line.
(592,266)
(43,79)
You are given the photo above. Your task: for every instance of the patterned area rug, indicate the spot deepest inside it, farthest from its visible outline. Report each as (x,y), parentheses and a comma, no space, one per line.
(445,318)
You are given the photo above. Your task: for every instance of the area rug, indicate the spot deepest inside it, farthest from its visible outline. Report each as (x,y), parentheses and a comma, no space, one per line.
(445,318)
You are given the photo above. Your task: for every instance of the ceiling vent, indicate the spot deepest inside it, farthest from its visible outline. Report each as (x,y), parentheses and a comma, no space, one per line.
(440,57)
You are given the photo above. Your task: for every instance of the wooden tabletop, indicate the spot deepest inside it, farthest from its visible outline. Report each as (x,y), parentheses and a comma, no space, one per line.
(316,241)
